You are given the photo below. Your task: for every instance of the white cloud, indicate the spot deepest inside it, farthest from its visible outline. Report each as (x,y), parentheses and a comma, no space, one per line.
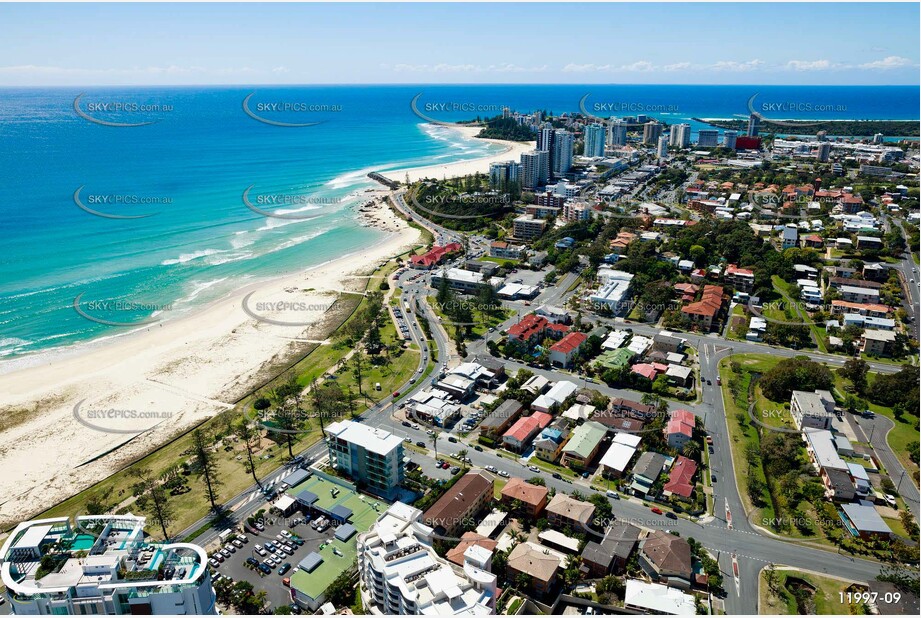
(640,66)
(809,65)
(889,62)
(586,68)
(463,68)
(678,66)
(736,67)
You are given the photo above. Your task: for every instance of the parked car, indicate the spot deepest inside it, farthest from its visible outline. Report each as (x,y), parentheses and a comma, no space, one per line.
(533,468)
(284,568)
(671,515)
(558,476)
(503,474)
(656,510)
(477,447)
(252,562)
(265,568)
(612,494)
(491,469)
(420,443)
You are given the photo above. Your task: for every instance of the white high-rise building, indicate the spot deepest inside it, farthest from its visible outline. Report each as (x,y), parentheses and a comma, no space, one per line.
(503,175)
(651,132)
(729,138)
(535,165)
(823,152)
(103,566)
(594,140)
(708,138)
(561,153)
(618,133)
(370,455)
(662,147)
(680,135)
(401,573)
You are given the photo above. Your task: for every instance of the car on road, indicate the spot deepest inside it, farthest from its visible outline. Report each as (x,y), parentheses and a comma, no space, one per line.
(533,468)
(612,494)
(709,382)
(477,447)
(656,510)
(558,476)
(671,515)
(407,439)
(491,469)
(430,432)
(503,474)
(415,426)
(407,424)
(712,478)
(719,381)
(420,443)
(452,439)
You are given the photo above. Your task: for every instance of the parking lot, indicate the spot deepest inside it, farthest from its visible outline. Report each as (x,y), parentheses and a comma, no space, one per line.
(236,568)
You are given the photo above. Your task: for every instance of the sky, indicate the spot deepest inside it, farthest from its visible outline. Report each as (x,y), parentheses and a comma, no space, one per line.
(629,43)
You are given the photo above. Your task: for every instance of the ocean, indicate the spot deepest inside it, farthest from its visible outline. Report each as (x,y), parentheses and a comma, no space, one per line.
(150,221)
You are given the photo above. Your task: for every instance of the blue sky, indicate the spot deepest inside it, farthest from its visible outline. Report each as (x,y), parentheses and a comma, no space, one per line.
(636,43)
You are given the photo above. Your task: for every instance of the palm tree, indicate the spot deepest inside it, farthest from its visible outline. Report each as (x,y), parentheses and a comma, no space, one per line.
(434,439)
(463,456)
(690,449)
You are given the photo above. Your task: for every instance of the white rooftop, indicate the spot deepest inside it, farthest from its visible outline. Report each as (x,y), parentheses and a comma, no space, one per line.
(372,439)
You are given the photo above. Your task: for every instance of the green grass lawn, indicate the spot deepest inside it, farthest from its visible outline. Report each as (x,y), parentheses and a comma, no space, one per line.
(827,597)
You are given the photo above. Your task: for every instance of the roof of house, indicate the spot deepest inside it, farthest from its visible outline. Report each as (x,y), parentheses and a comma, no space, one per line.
(680,480)
(455,502)
(659,599)
(568,507)
(669,553)
(535,560)
(681,422)
(649,465)
(531,325)
(570,343)
(585,439)
(709,303)
(865,518)
(523,428)
(470,539)
(633,406)
(519,489)
(646,370)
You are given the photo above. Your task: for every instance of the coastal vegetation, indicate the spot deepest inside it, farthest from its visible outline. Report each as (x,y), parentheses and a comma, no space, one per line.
(849,128)
(506,129)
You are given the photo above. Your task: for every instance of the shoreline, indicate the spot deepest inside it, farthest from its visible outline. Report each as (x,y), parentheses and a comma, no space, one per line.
(511,151)
(161,379)
(135,391)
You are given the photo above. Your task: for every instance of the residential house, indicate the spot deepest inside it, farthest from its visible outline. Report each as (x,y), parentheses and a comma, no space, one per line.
(564,511)
(541,564)
(531,498)
(680,428)
(611,554)
(646,472)
(564,351)
(500,419)
(618,456)
(740,278)
(666,559)
(549,443)
(875,342)
(681,478)
(520,434)
(583,444)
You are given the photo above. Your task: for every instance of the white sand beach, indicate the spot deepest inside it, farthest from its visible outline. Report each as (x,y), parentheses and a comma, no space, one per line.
(77,418)
(140,389)
(511,151)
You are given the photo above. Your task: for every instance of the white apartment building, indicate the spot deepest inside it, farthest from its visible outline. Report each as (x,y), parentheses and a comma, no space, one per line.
(535,167)
(594,140)
(104,566)
(812,410)
(366,454)
(680,135)
(401,574)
